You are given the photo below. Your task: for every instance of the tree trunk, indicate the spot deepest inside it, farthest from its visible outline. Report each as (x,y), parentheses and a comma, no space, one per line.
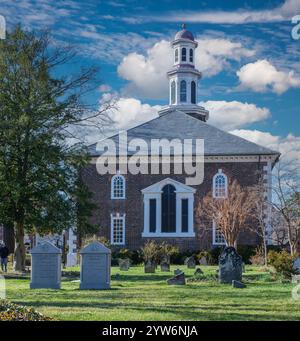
(9,238)
(265,251)
(20,252)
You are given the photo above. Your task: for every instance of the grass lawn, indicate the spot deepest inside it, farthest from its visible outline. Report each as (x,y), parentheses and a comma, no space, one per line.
(138,296)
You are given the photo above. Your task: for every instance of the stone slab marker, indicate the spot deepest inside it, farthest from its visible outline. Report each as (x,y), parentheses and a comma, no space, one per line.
(230,266)
(95,267)
(45,266)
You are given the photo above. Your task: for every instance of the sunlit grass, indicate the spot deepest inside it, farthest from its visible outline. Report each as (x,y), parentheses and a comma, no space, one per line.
(138,296)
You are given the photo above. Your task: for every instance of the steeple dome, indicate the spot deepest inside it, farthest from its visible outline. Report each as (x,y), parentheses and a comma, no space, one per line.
(184,34)
(184,77)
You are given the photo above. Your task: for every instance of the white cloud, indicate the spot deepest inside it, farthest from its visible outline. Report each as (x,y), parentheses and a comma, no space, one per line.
(288,146)
(147,73)
(234,114)
(261,76)
(130,112)
(281,13)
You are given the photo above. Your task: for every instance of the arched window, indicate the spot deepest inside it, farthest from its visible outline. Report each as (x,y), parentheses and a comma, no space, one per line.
(220,185)
(193,92)
(183,54)
(191,55)
(173,92)
(168,209)
(183,91)
(118,187)
(176,56)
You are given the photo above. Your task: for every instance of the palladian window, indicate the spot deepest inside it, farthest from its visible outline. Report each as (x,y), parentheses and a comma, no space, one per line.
(168,209)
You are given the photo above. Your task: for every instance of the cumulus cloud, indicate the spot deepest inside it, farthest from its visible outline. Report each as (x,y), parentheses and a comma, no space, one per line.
(262,76)
(234,114)
(147,73)
(130,112)
(288,146)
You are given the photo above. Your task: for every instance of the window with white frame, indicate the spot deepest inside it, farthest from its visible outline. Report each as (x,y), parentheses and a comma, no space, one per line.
(118,187)
(218,238)
(117,229)
(220,185)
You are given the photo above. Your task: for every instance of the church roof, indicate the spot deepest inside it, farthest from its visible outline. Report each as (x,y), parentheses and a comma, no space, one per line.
(177,125)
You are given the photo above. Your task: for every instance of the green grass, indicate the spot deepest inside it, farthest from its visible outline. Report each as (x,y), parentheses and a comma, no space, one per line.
(139,296)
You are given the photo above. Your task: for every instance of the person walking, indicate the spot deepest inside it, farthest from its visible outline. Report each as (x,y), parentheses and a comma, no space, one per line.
(4,252)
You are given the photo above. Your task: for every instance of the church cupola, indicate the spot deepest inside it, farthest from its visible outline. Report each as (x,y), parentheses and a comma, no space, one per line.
(184,77)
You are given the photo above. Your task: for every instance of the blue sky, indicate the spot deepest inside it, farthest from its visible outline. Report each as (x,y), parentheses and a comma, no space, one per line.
(250,63)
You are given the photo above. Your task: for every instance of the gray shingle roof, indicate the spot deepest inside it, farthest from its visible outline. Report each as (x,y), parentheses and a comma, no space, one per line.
(178,125)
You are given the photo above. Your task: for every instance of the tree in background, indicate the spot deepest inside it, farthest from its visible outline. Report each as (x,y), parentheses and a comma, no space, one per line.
(40,191)
(286,200)
(230,214)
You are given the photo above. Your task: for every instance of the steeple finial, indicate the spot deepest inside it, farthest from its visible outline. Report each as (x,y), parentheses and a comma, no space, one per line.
(183,26)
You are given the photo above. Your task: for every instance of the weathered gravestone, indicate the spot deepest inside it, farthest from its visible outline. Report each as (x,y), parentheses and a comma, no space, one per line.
(45,266)
(190,262)
(164,266)
(296,266)
(95,267)
(230,266)
(177,271)
(296,279)
(149,267)
(124,264)
(203,261)
(177,279)
(198,272)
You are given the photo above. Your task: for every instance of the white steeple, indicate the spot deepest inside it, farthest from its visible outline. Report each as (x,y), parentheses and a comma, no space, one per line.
(183,77)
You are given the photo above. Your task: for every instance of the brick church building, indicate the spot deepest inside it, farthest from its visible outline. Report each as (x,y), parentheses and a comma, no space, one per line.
(133,208)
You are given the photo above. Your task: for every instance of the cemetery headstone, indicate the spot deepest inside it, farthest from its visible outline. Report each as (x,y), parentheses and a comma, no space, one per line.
(95,267)
(190,262)
(203,261)
(124,264)
(149,267)
(177,271)
(45,266)
(198,272)
(165,267)
(230,265)
(296,265)
(177,279)
(295,279)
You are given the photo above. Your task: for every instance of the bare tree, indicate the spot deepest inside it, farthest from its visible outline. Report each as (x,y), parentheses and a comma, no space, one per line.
(287,201)
(231,213)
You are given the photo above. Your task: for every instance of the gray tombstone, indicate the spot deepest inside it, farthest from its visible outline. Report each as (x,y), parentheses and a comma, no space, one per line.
(177,279)
(296,266)
(149,267)
(95,267)
(165,267)
(177,271)
(124,264)
(190,262)
(230,266)
(203,261)
(45,266)
(198,272)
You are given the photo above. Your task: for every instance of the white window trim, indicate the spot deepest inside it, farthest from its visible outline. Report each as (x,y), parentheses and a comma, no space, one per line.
(220,172)
(182,192)
(112,187)
(112,218)
(214,235)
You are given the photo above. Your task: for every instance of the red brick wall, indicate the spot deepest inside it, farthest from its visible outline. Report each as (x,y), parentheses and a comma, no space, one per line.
(245,172)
